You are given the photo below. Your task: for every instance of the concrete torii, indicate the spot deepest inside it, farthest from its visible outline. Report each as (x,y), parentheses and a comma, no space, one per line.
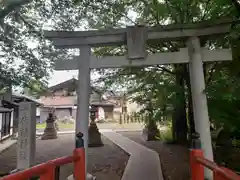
(136,39)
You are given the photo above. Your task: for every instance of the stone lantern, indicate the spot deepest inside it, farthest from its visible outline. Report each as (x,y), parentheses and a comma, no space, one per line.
(50,131)
(93,132)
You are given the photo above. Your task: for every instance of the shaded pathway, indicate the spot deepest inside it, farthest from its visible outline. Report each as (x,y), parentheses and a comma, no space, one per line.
(174,158)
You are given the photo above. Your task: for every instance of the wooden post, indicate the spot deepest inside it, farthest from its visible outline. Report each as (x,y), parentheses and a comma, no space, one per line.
(131,118)
(134,117)
(197,170)
(120,118)
(79,165)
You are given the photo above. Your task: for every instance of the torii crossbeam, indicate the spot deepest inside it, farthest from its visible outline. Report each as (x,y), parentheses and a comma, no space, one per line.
(153,59)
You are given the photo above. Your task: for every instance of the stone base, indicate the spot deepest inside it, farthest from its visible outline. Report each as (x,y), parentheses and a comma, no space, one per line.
(49,132)
(94,136)
(89,177)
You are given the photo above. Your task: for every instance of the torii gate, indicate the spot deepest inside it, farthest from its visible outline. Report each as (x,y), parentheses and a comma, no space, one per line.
(136,39)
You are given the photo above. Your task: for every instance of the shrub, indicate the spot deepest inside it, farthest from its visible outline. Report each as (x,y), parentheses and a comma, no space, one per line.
(66,120)
(166,135)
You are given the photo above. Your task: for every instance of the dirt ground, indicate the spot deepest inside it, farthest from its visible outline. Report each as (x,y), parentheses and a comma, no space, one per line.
(107,162)
(174,159)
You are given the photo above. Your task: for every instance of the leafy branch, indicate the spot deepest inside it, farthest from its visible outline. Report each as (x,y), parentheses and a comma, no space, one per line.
(11,6)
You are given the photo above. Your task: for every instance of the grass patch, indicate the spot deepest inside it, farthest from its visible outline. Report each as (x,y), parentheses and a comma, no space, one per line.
(41,126)
(61,126)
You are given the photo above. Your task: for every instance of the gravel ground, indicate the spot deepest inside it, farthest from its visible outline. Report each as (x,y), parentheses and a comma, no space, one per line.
(174,159)
(107,162)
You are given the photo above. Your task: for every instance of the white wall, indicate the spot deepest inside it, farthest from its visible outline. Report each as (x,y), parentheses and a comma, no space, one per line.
(133,107)
(37,111)
(11,123)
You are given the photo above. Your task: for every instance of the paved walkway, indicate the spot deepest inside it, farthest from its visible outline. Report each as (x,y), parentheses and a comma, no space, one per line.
(174,158)
(6,144)
(143,162)
(39,133)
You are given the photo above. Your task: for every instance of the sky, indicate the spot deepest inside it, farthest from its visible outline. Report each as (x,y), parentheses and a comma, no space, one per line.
(61,76)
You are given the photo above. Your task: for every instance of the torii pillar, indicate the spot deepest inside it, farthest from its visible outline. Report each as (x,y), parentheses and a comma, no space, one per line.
(199,99)
(83,93)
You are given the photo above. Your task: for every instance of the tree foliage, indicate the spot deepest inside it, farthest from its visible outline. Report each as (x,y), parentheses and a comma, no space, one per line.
(25,55)
(146,88)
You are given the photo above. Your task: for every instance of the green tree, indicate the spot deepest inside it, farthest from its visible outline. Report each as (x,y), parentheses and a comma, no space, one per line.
(7,6)
(26,56)
(153,13)
(35,88)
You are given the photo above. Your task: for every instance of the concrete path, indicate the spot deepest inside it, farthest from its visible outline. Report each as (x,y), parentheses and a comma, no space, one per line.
(143,162)
(6,144)
(39,133)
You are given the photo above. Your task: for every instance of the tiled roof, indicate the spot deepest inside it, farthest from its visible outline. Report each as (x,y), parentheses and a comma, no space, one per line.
(20,97)
(115,102)
(70,84)
(59,101)
(68,101)
(17,98)
(103,103)
(2,110)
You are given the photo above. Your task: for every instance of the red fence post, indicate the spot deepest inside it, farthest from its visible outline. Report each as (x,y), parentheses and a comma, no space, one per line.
(50,172)
(197,170)
(79,155)
(79,164)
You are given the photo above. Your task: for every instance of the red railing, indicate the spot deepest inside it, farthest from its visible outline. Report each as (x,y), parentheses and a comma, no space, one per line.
(46,171)
(198,162)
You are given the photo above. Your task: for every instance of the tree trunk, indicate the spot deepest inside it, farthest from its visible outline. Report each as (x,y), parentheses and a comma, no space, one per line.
(180,118)
(174,130)
(150,132)
(190,105)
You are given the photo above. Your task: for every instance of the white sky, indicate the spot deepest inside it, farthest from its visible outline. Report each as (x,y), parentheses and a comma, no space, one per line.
(61,76)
